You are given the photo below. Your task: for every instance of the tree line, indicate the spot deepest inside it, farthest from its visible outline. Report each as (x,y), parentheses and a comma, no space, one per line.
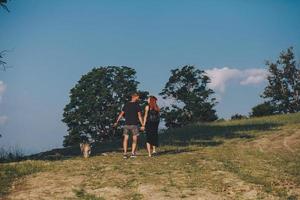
(99,95)
(281,95)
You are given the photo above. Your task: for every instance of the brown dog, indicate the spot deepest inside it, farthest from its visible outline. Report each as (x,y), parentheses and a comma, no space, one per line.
(85,149)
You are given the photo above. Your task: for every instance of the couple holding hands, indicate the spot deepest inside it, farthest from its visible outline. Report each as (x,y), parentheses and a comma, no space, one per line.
(149,123)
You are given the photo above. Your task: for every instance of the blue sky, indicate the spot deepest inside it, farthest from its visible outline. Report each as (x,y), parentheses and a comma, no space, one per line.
(53,43)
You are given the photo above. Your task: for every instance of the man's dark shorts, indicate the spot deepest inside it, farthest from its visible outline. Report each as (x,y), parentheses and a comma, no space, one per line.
(133,129)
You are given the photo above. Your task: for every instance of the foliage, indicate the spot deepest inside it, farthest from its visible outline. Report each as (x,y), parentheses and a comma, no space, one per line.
(3,5)
(96,100)
(3,64)
(82,194)
(11,154)
(238,116)
(282,91)
(188,86)
(264,109)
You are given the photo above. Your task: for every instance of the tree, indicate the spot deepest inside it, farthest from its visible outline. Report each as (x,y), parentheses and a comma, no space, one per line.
(188,86)
(264,109)
(95,102)
(238,116)
(3,5)
(282,91)
(3,65)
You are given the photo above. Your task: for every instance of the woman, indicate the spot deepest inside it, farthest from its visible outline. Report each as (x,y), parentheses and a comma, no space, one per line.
(150,124)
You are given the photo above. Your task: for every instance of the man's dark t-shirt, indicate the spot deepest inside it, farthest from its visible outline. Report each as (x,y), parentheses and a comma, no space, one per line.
(131,110)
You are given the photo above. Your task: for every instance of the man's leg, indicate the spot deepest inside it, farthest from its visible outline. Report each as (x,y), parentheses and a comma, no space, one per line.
(134,143)
(125,143)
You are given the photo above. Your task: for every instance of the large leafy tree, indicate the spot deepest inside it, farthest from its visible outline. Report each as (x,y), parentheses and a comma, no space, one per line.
(283,89)
(194,102)
(95,102)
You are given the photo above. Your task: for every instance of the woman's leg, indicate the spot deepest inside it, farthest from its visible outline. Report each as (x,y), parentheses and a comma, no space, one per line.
(155,138)
(155,142)
(154,149)
(149,149)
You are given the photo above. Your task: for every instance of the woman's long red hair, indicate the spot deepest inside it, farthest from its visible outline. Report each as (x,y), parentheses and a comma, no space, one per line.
(152,103)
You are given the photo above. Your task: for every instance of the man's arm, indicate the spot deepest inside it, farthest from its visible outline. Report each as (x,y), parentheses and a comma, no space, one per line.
(119,117)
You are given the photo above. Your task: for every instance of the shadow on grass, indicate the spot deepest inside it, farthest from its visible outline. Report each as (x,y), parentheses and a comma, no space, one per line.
(213,134)
(203,135)
(173,151)
(74,151)
(202,143)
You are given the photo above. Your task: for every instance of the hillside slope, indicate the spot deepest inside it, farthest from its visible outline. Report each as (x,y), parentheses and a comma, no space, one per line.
(245,159)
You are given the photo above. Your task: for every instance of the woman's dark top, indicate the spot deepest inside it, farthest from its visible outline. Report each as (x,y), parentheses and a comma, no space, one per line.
(151,128)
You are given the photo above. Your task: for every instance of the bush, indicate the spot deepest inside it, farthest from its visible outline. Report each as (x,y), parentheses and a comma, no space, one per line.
(238,116)
(264,109)
(11,154)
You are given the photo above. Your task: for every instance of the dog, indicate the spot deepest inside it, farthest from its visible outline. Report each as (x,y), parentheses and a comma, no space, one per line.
(85,149)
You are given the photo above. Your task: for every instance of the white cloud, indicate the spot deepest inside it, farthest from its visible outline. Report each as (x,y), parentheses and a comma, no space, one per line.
(3,119)
(2,89)
(221,76)
(254,76)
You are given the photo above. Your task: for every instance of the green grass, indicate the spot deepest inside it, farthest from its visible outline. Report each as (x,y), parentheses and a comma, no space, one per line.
(13,171)
(83,195)
(221,157)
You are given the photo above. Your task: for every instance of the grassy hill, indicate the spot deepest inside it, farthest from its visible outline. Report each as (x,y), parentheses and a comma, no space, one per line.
(255,158)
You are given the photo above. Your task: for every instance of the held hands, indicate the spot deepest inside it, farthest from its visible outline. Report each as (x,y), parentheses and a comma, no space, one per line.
(143,128)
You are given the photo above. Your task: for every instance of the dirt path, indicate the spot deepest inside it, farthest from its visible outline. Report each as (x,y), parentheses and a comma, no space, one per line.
(50,186)
(291,142)
(288,141)
(58,185)
(45,185)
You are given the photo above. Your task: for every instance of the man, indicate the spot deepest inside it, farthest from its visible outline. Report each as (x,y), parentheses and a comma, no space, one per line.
(133,116)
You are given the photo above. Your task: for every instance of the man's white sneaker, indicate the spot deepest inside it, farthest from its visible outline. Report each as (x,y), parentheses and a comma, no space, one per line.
(133,156)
